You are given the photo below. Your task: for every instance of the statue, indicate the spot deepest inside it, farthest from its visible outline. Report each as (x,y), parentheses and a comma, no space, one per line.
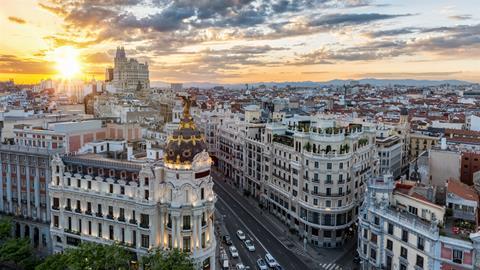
(186,106)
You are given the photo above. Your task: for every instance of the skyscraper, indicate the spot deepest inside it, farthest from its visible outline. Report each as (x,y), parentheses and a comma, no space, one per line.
(129,74)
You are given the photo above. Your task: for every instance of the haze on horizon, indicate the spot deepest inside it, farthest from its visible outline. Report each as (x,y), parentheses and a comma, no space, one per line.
(236,41)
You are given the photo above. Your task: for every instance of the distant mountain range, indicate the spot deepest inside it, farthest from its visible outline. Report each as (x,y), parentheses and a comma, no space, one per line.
(372,81)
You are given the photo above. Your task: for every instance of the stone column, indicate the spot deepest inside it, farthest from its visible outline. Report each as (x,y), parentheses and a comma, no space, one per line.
(162,228)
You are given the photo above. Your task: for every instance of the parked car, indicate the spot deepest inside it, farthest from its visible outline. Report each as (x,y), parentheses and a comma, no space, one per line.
(240,266)
(278,267)
(270,260)
(227,239)
(233,251)
(241,235)
(249,245)
(261,264)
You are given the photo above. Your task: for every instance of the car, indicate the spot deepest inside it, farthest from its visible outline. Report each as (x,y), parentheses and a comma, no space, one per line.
(227,239)
(270,260)
(278,267)
(240,266)
(233,251)
(261,264)
(249,245)
(241,235)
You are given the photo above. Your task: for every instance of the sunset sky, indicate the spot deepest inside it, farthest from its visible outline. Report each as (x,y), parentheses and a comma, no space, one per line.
(242,41)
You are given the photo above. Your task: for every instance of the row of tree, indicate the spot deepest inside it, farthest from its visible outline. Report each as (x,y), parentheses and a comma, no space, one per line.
(18,254)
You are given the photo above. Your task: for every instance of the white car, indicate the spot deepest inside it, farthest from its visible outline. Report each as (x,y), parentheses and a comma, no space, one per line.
(241,235)
(261,265)
(233,251)
(270,260)
(240,266)
(249,245)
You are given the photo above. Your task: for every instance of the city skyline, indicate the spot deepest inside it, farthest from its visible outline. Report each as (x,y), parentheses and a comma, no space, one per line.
(244,41)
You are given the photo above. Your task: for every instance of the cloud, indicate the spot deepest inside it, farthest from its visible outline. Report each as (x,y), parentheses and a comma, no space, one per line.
(338,20)
(408,74)
(98,58)
(14,64)
(16,20)
(461,17)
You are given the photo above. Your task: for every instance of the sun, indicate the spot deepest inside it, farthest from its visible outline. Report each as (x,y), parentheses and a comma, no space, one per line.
(66,59)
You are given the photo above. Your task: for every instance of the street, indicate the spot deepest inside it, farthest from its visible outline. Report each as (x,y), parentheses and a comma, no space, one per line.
(237,213)
(235,218)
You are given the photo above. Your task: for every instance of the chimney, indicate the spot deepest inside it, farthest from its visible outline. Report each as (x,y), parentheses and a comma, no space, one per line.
(443,144)
(129,152)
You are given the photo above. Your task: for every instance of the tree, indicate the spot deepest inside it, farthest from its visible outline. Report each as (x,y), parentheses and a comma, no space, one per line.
(17,253)
(90,256)
(54,262)
(167,260)
(5,228)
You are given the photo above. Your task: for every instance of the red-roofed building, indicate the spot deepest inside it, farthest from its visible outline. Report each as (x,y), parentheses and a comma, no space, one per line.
(463,200)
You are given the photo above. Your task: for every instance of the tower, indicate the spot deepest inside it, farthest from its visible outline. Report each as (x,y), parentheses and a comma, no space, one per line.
(403,116)
(190,204)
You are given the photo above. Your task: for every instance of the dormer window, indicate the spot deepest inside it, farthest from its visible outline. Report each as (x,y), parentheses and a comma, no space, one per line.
(101,172)
(90,170)
(123,174)
(111,173)
(79,169)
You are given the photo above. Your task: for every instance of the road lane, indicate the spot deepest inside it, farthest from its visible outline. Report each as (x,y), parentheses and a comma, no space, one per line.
(265,237)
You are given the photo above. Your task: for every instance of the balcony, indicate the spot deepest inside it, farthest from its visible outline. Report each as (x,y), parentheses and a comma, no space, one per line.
(144,225)
(68,208)
(55,207)
(71,232)
(88,212)
(78,210)
(132,221)
(110,216)
(121,219)
(100,215)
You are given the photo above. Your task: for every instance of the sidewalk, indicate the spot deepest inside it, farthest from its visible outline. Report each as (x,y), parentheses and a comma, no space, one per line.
(313,256)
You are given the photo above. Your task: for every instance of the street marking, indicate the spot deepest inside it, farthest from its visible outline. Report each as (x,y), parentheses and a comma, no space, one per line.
(241,221)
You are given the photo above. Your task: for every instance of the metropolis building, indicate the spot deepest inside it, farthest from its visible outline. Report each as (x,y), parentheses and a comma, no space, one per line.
(163,204)
(129,74)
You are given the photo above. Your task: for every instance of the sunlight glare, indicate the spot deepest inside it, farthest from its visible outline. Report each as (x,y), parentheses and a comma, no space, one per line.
(66,59)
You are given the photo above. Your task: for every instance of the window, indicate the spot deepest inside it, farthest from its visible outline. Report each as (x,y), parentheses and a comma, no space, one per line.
(55,221)
(419,262)
(145,241)
(99,230)
(89,228)
(122,190)
(420,243)
(365,233)
(413,210)
(389,263)
(56,203)
(89,207)
(403,266)
(89,183)
(147,194)
(329,166)
(79,183)
(389,245)
(78,205)
(373,254)
(110,232)
(403,252)
(111,188)
(457,256)
(390,228)
(373,238)
(79,225)
(186,222)
(404,235)
(99,209)
(202,194)
(144,220)
(186,243)
(134,238)
(146,181)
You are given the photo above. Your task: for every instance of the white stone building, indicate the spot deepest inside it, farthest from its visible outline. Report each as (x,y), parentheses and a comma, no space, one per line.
(129,74)
(166,204)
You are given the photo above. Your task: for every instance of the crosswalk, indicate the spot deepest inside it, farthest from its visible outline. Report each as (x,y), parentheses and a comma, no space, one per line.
(331,266)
